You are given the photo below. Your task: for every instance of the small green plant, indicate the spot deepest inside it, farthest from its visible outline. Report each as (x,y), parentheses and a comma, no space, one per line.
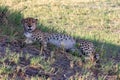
(36,60)
(6,70)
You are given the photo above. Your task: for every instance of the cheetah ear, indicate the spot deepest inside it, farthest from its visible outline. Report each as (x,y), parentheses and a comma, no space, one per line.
(36,20)
(22,21)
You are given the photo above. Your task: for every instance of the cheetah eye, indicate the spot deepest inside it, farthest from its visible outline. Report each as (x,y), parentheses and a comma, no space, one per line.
(33,21)
(25,21)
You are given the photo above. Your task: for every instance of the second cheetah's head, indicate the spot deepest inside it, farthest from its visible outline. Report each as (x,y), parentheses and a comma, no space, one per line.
(29,24)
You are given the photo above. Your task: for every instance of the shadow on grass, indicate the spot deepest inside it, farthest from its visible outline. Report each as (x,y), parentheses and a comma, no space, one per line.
(10,22)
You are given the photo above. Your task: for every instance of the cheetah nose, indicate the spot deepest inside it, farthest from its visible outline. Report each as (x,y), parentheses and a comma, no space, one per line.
(29,26)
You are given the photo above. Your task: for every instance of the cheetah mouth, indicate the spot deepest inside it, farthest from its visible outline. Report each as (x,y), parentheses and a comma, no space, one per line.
(29,29)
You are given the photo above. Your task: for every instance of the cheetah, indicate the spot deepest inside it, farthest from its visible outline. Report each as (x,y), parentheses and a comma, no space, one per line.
(33,34)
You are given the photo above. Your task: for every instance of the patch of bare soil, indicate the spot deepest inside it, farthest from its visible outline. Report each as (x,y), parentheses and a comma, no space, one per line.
(64,66)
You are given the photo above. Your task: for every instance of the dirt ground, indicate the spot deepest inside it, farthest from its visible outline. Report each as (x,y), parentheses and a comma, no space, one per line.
(63,67)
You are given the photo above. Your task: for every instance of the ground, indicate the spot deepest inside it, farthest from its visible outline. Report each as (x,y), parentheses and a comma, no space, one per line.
(96,21)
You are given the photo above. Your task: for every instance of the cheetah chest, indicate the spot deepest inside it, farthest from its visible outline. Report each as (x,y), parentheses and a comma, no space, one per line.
(28,35)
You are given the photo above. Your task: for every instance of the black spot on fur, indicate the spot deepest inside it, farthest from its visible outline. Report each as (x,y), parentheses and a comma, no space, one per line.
(61,39)
(48,39)
(53,37)
(69,37)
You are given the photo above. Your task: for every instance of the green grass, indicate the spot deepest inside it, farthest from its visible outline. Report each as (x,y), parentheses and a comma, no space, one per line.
(97,21)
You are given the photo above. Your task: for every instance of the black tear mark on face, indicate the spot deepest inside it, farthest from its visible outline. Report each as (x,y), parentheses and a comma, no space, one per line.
(53,37)
(61,40)
(48,39)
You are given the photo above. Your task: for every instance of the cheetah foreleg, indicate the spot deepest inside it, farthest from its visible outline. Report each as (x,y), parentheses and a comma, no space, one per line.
(44,45)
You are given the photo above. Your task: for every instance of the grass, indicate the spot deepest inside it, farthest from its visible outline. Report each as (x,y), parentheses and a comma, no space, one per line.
(96,21)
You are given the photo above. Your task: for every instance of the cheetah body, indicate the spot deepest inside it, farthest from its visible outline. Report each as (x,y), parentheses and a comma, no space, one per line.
(60,40)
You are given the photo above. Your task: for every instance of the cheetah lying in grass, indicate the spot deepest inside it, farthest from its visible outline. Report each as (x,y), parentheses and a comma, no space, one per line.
(60,40)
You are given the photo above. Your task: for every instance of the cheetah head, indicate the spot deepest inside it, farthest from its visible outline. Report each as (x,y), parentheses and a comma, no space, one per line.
(29,24)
